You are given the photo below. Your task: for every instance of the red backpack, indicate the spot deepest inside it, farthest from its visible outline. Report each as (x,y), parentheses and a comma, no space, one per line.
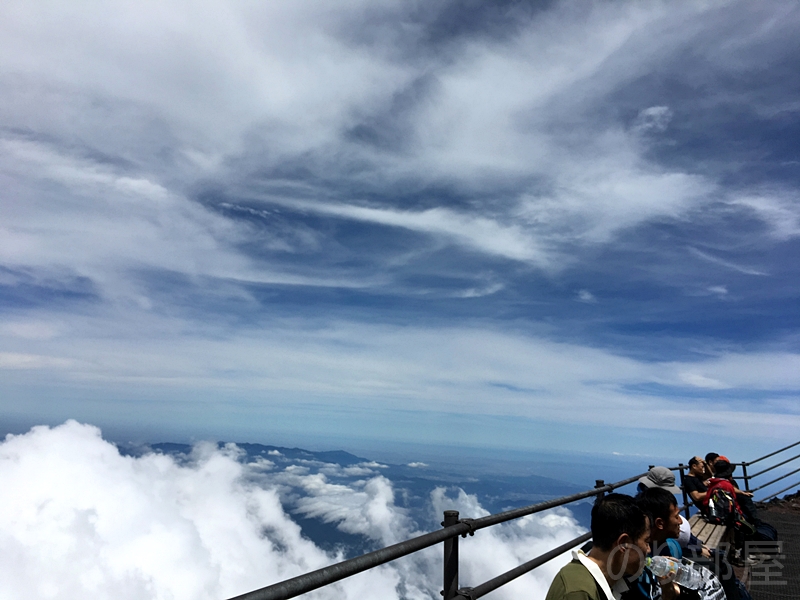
(721,507)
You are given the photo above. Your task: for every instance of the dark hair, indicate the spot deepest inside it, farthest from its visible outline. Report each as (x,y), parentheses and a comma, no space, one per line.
(723,469)
(693,461)
(613,515)
(657,503)
(711,457)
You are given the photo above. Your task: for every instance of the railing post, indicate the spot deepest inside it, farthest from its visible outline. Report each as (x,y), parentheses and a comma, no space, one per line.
(683,491)
(598,483)
(746,478)
(450,557)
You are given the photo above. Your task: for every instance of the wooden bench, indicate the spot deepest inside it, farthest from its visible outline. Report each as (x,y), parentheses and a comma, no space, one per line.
(712,536)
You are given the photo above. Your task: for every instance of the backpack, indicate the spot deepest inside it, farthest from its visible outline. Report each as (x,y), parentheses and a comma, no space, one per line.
(720,506)
(765,539)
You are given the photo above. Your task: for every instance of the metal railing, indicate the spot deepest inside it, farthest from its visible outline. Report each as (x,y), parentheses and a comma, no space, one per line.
(453,527)
(748,478)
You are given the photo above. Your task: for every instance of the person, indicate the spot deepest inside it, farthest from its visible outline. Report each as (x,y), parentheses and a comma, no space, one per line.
(664,478)
(723,478)
(665,524)
(665,521)
(660,477)
(716,462)
(621,534)
(711,457)
(723,469)
(695,482)
(664,531)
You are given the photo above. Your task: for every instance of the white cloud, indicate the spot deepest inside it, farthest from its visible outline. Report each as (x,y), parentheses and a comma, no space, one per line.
(655,118)
(372,368)
(779,211)
(778,371)
(106,226)
(16,360)
(368,510)
(702,381)
(726,263)
(586,296)
(480,233)
(498,549)
(84,521)
(115,121)
(211,77)
(31,330)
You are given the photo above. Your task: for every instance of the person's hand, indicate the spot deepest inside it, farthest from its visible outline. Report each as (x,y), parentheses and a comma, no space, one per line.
(748,494)
(669,591)
(705,552)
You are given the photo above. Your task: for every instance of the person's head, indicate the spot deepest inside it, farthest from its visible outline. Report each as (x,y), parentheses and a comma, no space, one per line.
(710,458)
(660,477)
(621,529)
(664,512)
(697,466)
(723,469)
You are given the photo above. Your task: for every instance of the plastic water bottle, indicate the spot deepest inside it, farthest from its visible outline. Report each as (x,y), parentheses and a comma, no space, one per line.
(675,571)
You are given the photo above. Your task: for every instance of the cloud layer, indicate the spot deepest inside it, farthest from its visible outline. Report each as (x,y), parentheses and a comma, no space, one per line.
(84,520)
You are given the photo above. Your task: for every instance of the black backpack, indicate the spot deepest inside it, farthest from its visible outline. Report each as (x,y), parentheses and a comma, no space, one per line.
(723,510)
(721,507)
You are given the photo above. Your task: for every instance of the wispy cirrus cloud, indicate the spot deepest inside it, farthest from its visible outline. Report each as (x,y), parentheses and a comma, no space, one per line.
(725,263)
(249,197)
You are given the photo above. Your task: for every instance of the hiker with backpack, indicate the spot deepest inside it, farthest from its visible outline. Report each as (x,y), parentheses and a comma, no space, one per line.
(723,469)
(741,512)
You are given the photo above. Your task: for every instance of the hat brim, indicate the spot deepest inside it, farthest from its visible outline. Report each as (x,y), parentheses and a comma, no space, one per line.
(725,473)
(674,489)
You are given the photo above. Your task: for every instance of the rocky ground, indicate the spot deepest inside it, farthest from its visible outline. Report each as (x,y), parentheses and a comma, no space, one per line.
(790,502)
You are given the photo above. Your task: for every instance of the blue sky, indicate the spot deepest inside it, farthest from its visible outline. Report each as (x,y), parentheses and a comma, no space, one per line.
(494,224)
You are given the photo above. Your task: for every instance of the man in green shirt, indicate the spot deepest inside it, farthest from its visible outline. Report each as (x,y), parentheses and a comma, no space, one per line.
(621,540)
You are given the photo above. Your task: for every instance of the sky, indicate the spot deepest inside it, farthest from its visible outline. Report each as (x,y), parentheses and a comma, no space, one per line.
(557,225)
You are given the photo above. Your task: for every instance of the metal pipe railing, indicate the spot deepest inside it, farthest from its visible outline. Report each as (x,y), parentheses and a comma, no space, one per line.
(780,464)
(333,573)
(501,580)
(752,462)
(516,513)
(762,486)
(453,527)
(786,489)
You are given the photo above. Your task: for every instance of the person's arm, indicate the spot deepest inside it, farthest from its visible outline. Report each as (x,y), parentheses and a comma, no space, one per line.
(670,591)
(742,492)
(698,496)
(697,546)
